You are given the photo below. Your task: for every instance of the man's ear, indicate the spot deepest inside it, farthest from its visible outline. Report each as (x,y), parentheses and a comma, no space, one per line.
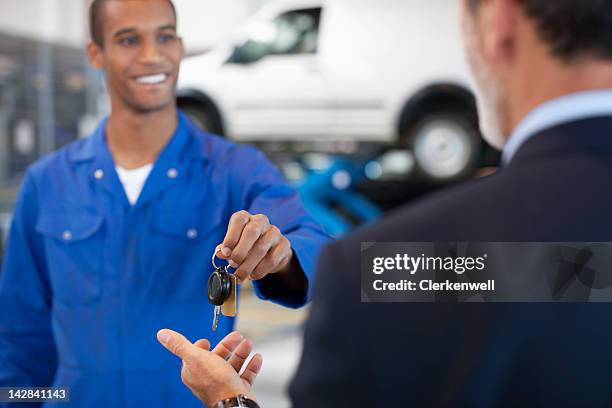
(182,47)
(94,54)
(501,17)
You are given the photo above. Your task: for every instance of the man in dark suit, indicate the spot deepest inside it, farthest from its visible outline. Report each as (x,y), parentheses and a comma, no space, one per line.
(544,74)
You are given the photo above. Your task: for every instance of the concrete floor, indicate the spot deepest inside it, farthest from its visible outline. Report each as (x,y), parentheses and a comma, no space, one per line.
(281,356)
(277,334)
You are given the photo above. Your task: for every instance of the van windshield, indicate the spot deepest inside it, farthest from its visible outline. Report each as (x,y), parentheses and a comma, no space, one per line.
(293,32)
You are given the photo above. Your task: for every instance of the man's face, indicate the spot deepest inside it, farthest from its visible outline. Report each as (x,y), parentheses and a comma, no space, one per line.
(489,94)
(140,54)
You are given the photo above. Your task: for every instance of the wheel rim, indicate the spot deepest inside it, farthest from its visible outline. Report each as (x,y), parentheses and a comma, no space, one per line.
(443,149)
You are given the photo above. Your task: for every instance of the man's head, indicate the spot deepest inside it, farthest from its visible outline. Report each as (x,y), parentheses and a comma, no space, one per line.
(523,52)
(136,44)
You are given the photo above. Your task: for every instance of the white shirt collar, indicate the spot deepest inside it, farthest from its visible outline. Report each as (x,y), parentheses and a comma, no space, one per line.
(566,109)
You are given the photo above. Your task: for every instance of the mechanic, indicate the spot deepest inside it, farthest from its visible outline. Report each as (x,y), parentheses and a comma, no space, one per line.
(112,235)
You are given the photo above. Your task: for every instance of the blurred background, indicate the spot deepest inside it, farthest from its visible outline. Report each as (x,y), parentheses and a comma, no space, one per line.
(364,105)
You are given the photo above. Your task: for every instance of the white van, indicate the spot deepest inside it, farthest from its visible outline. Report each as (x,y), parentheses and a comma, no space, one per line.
(390,72)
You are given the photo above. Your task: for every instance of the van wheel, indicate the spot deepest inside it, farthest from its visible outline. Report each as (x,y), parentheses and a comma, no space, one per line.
(207,119)
(446,147)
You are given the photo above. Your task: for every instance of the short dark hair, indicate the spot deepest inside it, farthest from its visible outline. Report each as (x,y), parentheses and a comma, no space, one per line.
(572,28)
(95,22)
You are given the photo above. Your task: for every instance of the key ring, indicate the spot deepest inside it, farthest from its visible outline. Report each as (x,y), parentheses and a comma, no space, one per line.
(214,264)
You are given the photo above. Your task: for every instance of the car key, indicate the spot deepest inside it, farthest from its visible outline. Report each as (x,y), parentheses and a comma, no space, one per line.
(219,290)
(222,287)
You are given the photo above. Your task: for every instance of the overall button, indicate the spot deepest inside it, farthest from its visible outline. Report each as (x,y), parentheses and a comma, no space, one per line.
(192,233)
(172,173)
(67,235)
(99,174)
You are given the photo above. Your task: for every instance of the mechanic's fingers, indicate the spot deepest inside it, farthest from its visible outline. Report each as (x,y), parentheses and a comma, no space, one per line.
(241,353)
(252,369)
(258,252)
(234,230)
(219,254)
(257,227)
(177,344)
(275,260)
(226,347)
(204,344)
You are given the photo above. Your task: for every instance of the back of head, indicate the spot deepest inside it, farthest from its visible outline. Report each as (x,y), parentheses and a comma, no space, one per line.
(524,53)
(573,29)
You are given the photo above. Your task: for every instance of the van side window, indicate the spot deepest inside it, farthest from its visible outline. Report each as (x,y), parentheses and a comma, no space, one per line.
(297,32)
(291,33)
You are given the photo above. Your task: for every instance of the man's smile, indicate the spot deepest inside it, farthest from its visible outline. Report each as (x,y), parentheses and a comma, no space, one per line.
(152,79)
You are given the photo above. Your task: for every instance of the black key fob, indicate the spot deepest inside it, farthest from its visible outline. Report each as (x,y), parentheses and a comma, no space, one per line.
(219,286)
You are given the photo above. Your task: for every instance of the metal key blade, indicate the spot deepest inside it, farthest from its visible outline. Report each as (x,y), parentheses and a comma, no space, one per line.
(216,314)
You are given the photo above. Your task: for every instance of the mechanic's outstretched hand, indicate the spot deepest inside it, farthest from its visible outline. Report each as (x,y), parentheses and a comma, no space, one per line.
(214,375)
(254,247)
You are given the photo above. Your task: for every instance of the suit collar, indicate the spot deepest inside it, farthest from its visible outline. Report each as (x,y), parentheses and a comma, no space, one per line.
(586,136)
(565,109)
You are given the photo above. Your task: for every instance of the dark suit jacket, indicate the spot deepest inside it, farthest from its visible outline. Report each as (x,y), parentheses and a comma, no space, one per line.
(558,187)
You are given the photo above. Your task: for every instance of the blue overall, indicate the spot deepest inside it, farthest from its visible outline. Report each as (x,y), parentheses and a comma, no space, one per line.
(88,279)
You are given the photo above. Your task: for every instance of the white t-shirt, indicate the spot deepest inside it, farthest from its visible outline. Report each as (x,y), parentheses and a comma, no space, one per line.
(133,180)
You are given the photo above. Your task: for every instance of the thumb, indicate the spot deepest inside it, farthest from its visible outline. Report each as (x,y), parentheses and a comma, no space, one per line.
(177,344)
(203,344)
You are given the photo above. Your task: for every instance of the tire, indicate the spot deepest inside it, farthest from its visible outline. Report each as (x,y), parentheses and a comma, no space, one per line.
(446,147)
(206,118)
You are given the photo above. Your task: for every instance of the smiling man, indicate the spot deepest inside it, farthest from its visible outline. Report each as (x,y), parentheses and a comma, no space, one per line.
(112,235)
